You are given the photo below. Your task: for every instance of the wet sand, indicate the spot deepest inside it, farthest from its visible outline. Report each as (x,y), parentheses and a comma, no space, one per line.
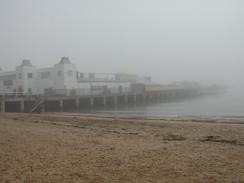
(63,147)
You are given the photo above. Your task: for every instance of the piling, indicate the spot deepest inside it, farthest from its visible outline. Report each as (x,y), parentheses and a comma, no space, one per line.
(77,103)
(61,105)
(91,102)
(104,101)
(115,100)
(2,103)
(22,105)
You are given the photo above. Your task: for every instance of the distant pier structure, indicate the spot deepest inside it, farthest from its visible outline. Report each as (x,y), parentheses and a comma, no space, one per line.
(140,94)
(63,87)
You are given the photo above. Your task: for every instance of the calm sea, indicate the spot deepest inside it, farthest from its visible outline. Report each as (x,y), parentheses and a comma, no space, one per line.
(228,104)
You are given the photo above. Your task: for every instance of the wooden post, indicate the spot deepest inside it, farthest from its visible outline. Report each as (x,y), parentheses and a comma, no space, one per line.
(91,102)
(134,98)
(22,106)
(2,106)
(43,107)
(104,101)
(144,97)
(126,99)
(77,103)
(61,105)
(116,100)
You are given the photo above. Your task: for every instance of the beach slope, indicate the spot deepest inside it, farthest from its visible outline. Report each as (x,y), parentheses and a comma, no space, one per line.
(63,147)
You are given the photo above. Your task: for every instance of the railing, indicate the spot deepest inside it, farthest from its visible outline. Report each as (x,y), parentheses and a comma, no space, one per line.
(18,96)
(89,91)
(68,93)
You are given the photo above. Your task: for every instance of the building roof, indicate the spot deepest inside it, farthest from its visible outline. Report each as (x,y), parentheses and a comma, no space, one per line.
(26,62)
(65,60)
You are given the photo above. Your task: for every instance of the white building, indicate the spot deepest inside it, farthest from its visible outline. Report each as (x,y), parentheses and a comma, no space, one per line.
(63,79)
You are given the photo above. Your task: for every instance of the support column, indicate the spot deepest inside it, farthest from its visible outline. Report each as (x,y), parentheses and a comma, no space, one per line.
(104,101)
(144,97)
(115,100)
(126,99)
(22,106)
(61,105)
(158,98)
(2,106)
(77,103)
(91,102)
(134,98)
(43,107)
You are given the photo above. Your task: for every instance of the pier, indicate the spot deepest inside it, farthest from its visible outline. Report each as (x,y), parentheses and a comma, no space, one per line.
(31,103)
(62,87)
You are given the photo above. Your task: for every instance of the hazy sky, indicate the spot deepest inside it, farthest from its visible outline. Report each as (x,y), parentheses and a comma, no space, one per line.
(170,40)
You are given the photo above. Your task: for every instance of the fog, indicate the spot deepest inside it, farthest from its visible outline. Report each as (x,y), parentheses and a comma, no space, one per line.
(170,40)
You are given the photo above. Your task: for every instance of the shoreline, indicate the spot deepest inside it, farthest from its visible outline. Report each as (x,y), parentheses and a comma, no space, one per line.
(199,119)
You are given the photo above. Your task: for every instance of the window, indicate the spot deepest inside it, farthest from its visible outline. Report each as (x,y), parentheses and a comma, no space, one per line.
(8,82)
(49,91)
(20,89)
(30,75)
(70,73)
(59,73)
(45,75)
(91,76)
(20,76)
(29,90)
(77,75)
(148,79)
(8,77)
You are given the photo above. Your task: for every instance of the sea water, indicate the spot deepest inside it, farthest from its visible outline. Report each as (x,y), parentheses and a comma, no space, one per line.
(227,104)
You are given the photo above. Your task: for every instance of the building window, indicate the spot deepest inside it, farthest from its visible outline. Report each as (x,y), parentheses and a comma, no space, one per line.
(91,76)
(29,90)
(45,75)
(49,91)
(77,75)
(20,89)
(70,73)
(20,76)
(30,75)
(59,73)
(8,77)
(8,82)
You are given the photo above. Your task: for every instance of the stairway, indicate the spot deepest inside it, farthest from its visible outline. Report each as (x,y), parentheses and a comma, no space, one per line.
(37,104)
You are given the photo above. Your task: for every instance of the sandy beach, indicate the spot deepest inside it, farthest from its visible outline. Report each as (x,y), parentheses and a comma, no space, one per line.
(56,148)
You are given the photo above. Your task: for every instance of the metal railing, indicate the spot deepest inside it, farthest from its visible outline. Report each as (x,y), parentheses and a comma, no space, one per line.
(89,91)
(68,93)
(18,96)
